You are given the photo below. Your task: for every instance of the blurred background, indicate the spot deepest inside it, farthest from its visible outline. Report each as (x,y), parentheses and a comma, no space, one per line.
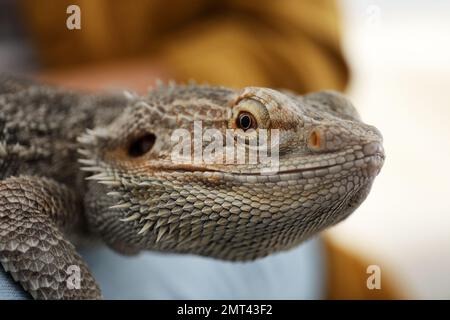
(391,57)
(400,57)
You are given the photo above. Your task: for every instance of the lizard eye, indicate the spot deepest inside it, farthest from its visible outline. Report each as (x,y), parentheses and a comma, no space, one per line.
(246,121)
(249,114)
(142,145)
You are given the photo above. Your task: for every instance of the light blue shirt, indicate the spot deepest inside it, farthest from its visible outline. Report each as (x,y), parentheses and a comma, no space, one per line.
(295,274)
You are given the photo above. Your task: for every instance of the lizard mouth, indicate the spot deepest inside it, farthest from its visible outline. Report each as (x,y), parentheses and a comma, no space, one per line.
(376,159)
(374,162)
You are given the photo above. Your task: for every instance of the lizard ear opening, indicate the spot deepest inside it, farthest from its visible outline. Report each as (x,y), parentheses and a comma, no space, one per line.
(141,145)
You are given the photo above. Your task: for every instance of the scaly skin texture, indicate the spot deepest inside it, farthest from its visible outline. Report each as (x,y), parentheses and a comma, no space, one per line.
(126,190)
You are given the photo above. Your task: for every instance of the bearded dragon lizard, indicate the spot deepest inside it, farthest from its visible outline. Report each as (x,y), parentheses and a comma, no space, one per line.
(75,166)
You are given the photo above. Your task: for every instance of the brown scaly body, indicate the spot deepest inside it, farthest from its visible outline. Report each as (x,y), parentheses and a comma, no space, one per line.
(137,198)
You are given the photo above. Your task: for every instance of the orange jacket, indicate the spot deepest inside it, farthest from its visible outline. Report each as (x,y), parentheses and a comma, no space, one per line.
(284,43)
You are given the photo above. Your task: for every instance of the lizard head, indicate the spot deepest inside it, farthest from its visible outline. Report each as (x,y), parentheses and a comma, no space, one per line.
(314,167)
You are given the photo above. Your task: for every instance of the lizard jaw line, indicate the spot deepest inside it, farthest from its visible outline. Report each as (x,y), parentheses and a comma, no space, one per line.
(378,157)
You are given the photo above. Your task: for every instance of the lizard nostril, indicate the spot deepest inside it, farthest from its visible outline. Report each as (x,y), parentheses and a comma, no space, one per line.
(315,140)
